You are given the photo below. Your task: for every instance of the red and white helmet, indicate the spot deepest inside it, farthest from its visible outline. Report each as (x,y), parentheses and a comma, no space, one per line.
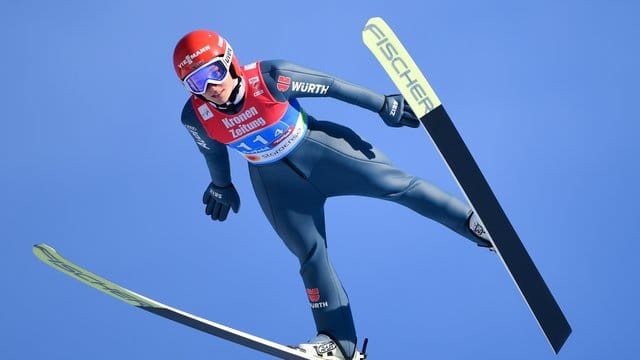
(203,57)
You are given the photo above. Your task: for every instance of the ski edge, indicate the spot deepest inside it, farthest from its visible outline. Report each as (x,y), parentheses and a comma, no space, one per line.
(51,257)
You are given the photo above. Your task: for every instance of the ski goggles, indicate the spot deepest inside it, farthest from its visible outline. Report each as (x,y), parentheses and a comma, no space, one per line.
(213,72)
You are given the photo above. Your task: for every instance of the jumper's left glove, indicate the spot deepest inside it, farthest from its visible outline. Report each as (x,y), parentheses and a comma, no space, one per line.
(396,112)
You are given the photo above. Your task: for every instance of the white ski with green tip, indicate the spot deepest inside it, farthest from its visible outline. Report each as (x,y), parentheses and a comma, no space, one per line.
(50,257)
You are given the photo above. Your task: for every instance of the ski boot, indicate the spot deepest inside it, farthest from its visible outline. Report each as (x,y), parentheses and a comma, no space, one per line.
(324,347)
(482,236)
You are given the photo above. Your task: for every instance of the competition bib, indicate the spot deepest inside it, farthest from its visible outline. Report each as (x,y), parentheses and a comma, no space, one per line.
(264,130)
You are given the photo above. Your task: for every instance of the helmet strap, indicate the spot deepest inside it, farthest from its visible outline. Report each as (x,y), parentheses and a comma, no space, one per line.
(236,98)
(237,94)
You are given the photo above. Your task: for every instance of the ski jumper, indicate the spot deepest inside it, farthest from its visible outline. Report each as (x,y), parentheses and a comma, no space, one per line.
(296,162)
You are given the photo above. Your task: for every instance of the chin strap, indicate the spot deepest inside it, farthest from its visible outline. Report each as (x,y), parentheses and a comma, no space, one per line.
(236,98)
(237,94)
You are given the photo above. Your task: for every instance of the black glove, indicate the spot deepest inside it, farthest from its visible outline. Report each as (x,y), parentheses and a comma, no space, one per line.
(396,112)
(219,200)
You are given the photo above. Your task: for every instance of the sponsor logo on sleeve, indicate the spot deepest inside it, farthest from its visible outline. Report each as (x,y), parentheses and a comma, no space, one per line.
(283,83)
(310,88)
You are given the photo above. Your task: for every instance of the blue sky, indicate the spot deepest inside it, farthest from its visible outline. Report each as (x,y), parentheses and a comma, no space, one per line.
(96,163)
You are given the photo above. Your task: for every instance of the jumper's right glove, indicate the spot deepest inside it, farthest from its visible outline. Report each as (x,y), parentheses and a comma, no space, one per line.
(396,112)
(219,200)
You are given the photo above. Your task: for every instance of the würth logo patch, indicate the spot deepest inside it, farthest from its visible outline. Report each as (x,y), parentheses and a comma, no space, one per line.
(283,83)
(314,294)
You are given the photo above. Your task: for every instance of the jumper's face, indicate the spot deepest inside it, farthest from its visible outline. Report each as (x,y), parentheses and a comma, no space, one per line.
(220,93)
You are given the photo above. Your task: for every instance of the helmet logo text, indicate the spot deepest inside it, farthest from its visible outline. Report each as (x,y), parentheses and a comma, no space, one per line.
(189,58)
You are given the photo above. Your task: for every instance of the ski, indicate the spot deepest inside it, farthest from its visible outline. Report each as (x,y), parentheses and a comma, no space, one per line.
(406,75)
(49,256)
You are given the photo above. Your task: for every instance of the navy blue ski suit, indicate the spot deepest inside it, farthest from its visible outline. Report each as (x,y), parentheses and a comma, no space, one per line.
(331,160)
